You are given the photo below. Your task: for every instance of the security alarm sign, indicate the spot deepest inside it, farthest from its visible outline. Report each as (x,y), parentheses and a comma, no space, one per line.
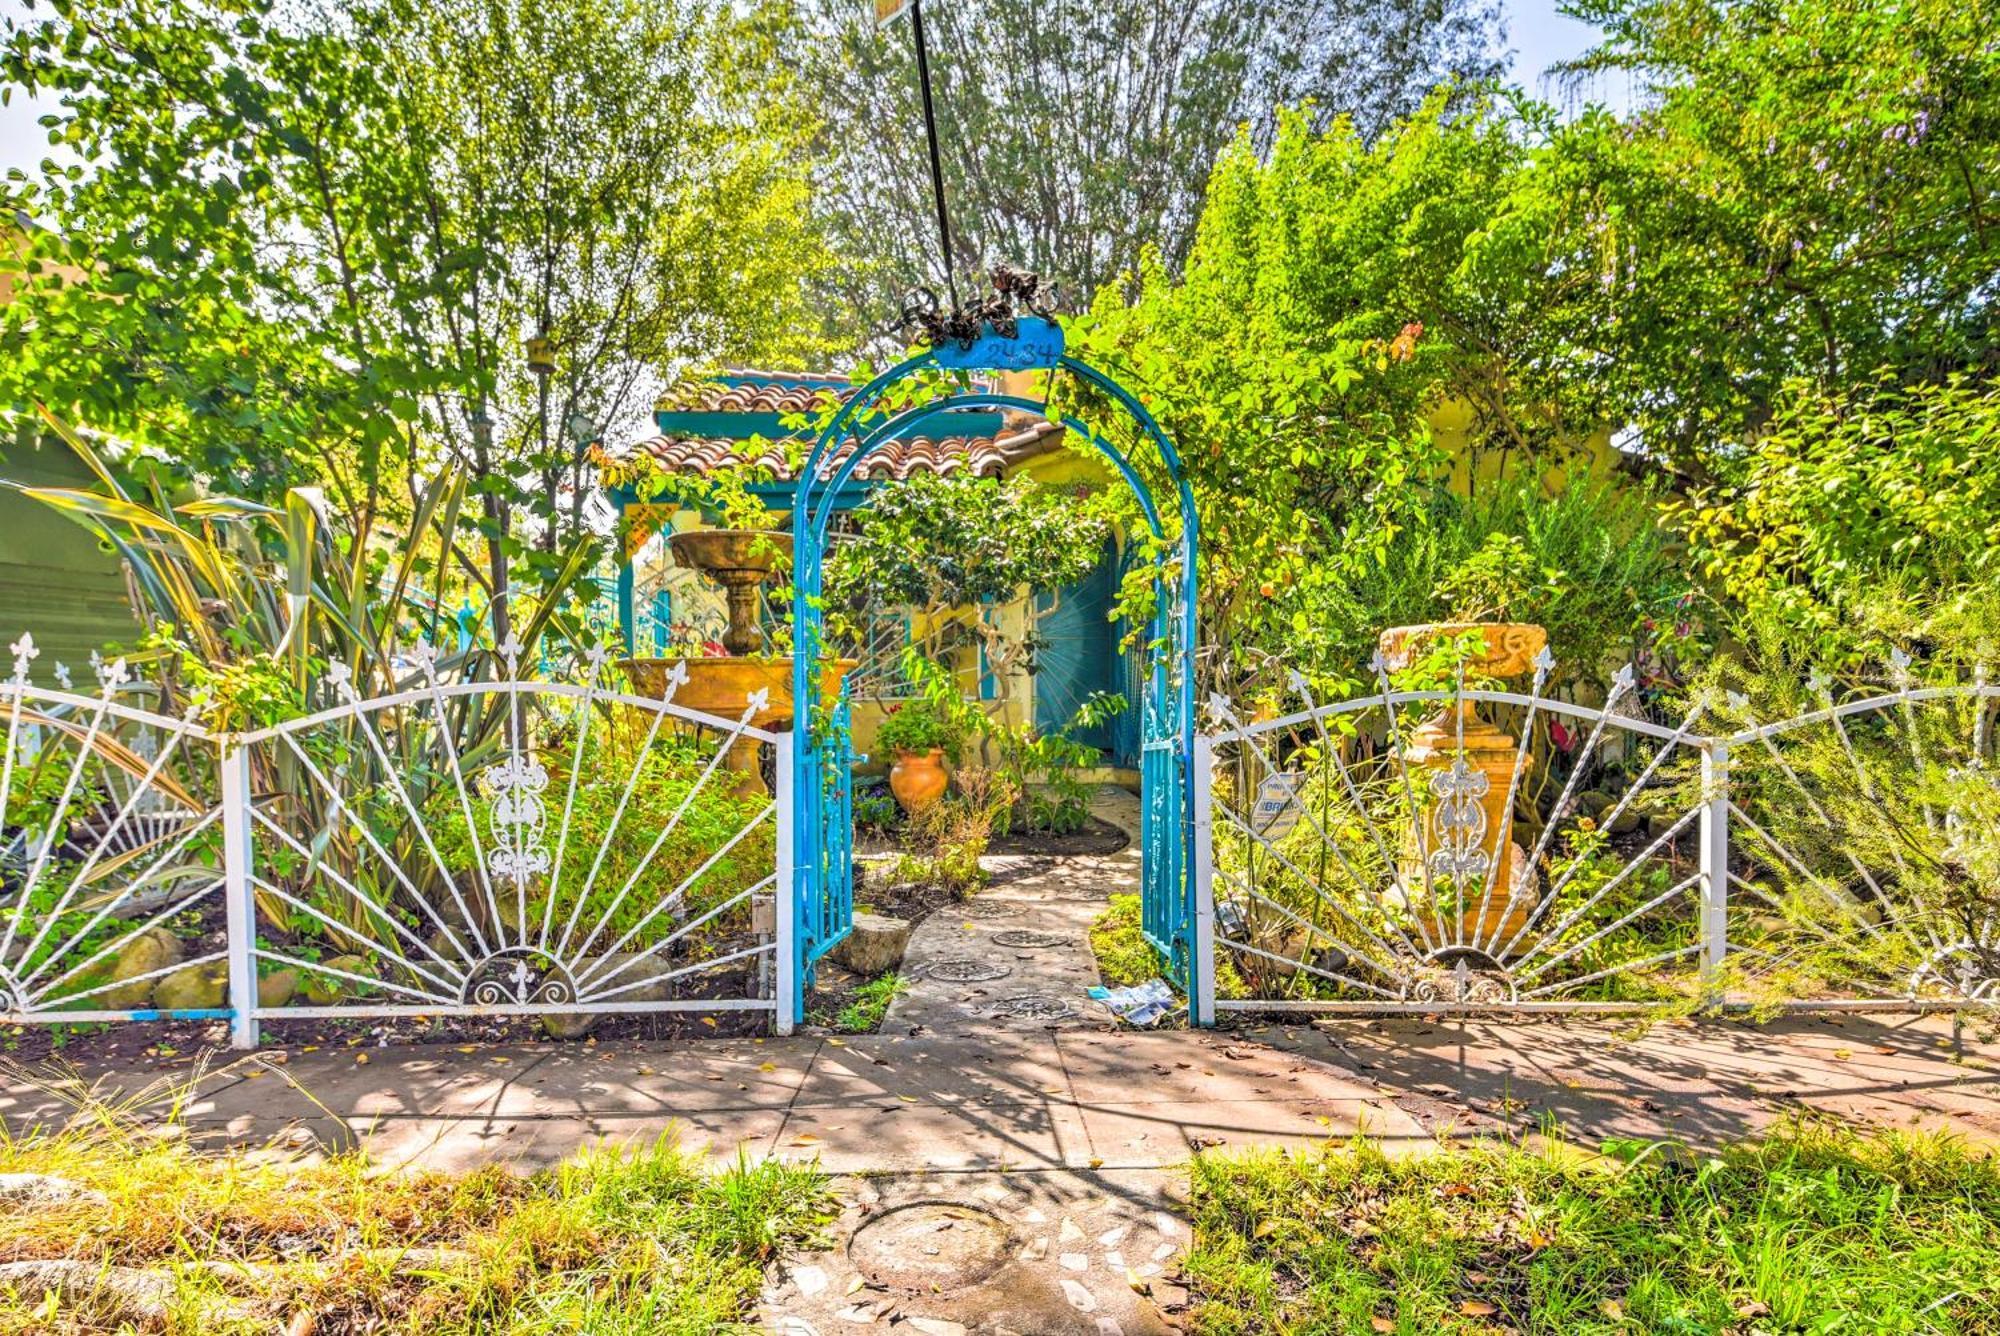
(1277,809)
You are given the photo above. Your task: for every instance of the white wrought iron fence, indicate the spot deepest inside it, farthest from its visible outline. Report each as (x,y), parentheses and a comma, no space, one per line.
(506,847)
(1470,849)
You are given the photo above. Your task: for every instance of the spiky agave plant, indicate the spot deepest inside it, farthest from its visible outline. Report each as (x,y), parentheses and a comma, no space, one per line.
(256,610)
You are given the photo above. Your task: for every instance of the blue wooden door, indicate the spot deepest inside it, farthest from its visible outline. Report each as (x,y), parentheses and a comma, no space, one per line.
(1079,656)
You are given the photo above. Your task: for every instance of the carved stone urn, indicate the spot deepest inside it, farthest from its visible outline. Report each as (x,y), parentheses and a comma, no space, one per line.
(1461,768)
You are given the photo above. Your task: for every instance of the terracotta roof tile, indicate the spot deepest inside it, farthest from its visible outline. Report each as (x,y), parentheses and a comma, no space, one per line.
(1021,435)
(985,456)
(787,396)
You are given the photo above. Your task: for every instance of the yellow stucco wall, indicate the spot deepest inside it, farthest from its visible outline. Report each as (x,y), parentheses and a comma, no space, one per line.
(1451,423)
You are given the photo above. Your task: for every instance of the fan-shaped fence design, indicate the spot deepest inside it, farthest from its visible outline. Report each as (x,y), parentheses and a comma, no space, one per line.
(504,847)
(1470,849)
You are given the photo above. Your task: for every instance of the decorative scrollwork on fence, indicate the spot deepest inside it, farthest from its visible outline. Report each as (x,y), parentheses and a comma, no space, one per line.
(518,976)
(518,817)
(1458,852)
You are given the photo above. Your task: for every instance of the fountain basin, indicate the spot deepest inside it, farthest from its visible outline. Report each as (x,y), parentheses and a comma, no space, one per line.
(722,684)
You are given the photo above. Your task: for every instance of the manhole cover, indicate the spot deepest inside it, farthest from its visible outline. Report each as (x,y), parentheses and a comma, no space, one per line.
(991,909)
(930,1246)
(963,970)
(1034,941)
(1033,1007)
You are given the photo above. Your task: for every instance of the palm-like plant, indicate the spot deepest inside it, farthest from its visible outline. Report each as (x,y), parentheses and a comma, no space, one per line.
(255,610)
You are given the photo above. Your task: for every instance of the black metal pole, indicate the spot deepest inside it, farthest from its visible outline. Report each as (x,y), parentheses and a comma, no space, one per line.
(931,134)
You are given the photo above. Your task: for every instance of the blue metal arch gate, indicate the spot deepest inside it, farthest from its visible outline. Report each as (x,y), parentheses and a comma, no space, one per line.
(822,830)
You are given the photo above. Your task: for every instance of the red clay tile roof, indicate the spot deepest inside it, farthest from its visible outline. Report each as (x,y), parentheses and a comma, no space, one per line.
(781,392)
(1021,436)
(985,456)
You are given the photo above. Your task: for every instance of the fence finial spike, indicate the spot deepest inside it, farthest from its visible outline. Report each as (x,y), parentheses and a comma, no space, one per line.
(758,701)
(62,674)
(1899,662)
(1546,660)
(111,676)
(1818,682)
(25,653)
(1737,701)
(341,677)
(1218,705)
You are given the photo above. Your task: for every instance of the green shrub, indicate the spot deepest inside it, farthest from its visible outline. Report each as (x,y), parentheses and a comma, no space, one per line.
(918,726)
(666,776)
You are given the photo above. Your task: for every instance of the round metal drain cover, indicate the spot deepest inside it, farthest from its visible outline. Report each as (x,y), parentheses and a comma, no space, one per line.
(1033,941)
(930,1246)
(991,909)
(1033,1007)
(961,969)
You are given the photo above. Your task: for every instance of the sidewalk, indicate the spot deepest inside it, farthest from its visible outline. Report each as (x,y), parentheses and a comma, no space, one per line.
(1075,1098)
(873,1103)
(1026,1182)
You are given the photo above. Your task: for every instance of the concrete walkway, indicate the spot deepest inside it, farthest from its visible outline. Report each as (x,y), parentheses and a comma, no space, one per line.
(1071,1098)
(1055,1151)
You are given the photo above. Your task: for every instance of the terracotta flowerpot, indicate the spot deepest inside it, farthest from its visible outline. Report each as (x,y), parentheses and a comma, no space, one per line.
(918,778)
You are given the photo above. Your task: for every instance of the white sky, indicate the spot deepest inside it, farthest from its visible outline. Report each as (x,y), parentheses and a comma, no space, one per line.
(1538,34)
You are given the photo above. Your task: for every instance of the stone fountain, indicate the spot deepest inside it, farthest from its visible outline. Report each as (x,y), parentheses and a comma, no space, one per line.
(741,561)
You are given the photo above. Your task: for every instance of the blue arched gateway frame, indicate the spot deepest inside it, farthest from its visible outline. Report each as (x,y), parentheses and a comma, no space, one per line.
(822,757)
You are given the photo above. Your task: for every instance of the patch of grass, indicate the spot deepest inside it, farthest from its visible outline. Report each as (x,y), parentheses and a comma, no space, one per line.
(863,1014)
(1124,957)
(647,1240)
(1814,1230)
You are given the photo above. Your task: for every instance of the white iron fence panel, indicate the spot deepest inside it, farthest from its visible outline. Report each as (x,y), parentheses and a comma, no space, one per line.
(509,847)
(1473,849)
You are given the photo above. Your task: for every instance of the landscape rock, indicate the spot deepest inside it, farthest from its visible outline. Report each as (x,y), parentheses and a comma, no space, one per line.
(200,987)
(46,1190)
(876,944)
(570,1024)
(137,1297)
(277,988)
(153,949)
(323,990)
(619,969)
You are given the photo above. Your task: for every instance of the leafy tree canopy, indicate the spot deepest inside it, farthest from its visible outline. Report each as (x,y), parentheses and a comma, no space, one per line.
(1078,135)
(315,242)
(1807,193)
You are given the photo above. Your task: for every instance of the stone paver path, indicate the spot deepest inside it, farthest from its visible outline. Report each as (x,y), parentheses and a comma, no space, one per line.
(1017,957)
